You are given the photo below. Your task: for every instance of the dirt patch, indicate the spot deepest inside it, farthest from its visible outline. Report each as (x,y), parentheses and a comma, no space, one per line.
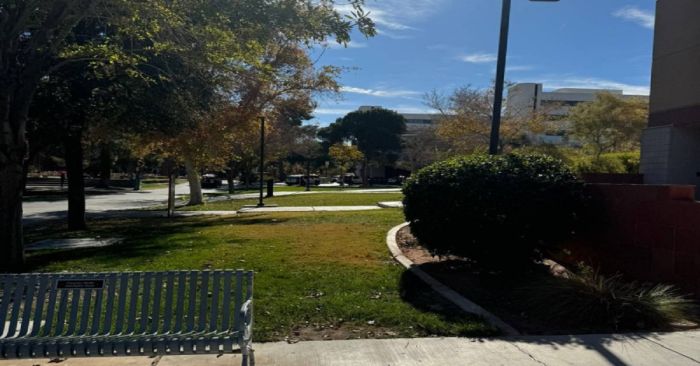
(412,250)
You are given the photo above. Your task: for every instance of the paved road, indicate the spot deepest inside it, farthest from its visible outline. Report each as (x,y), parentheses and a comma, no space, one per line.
(124,200)
(39,211)
(649,349)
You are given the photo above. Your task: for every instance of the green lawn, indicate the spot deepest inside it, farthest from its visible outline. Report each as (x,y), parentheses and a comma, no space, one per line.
(316,199)
(318,275)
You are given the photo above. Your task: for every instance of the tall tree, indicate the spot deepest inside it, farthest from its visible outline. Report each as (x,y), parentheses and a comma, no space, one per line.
(376,132)
(609,124)
(465,122)
(35,41)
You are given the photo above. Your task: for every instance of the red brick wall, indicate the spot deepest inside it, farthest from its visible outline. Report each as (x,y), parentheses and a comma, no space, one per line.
(648,233)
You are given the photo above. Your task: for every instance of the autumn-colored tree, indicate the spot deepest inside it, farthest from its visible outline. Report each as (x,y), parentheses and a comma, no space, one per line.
(465,122)
(609,124)
(345,157)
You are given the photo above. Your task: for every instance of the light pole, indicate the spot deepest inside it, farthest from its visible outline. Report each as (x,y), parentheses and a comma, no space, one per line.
(500,75)
(262,159)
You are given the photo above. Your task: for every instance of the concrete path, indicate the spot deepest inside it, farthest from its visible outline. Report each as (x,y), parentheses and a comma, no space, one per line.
(39,211)
(633,349)
(124,200)
(309,209)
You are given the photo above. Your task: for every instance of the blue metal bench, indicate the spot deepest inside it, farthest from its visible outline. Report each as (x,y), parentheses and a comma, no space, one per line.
(126,314)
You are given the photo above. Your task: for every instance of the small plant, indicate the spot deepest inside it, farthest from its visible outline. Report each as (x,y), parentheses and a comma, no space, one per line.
(501,211)
(589,300)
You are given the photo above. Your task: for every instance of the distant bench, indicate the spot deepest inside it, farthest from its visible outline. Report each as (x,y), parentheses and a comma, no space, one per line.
(126,314)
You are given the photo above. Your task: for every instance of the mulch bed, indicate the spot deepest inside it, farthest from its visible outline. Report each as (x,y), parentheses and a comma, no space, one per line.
(507,296)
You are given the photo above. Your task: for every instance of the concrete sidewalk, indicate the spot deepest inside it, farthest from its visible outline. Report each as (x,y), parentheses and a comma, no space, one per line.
(309,209)
(651,349)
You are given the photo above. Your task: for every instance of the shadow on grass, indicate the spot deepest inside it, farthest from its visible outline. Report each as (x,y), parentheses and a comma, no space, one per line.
(415,292)
(145,238)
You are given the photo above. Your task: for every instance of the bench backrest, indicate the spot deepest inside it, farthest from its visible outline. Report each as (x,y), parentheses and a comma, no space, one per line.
(85,304)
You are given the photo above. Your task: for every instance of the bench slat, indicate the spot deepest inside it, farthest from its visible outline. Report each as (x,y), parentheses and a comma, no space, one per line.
(5,301)
(44,286)
(121,309)
(191,309)
(16,305)
(96,312)
(50,307)
(181,285)
(61,315)
(238,300)
(214,316)
(72,320)
(226,316)
(135,283)
(157,287)
(85,310)
(28,303)
(203,293)
(109,306)
(168,309)
(145,302)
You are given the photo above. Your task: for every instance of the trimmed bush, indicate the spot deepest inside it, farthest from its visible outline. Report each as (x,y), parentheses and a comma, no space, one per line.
(501,211)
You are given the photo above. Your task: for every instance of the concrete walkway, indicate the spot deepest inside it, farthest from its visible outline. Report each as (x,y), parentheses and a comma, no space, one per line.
(309,209)
(633,349)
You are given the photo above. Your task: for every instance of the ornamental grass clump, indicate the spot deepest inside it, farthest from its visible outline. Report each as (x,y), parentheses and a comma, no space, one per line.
(588,300)
(501,211)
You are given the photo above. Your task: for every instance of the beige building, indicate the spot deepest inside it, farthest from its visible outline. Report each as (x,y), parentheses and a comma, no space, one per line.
(526,98)
(671,143)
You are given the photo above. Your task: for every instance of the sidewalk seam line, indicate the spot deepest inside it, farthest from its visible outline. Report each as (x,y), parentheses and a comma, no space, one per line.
(669,348)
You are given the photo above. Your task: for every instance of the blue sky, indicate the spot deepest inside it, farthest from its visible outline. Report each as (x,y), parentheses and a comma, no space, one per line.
(443,44)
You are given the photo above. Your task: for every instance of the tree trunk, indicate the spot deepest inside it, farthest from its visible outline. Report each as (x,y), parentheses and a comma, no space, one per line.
(105,165)
(365,166)
(11,235)
(76,184)
(230,175)
(196,196)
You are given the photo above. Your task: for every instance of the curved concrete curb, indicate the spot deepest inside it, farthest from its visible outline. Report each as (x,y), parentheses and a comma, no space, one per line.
(459,300)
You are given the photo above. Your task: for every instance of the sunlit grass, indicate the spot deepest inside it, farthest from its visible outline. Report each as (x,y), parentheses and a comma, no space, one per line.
(313,270)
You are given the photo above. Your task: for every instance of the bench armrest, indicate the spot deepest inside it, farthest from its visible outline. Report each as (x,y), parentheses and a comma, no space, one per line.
(246,314)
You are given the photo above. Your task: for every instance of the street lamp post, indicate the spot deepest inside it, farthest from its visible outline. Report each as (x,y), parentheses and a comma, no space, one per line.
(262,159)
(500,75)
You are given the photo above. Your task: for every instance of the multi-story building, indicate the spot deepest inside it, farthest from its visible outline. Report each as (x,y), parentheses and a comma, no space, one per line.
(671,142)
(414,121)
(526,98)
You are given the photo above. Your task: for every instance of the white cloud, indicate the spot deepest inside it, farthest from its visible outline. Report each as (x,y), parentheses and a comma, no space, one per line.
(636,15)
(351,44)
(592,83)
(479,58)
(519,68)
(412,109)
(332,111)
(397,15)
(380,92)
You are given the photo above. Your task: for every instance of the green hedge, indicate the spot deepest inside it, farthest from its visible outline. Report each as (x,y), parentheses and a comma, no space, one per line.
(620,163)
(500,211)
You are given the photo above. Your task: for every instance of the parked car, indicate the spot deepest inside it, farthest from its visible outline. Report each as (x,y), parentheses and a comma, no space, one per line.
(211,181)
(300,180)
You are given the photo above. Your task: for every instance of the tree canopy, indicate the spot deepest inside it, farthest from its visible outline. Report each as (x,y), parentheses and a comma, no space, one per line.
(609,123)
